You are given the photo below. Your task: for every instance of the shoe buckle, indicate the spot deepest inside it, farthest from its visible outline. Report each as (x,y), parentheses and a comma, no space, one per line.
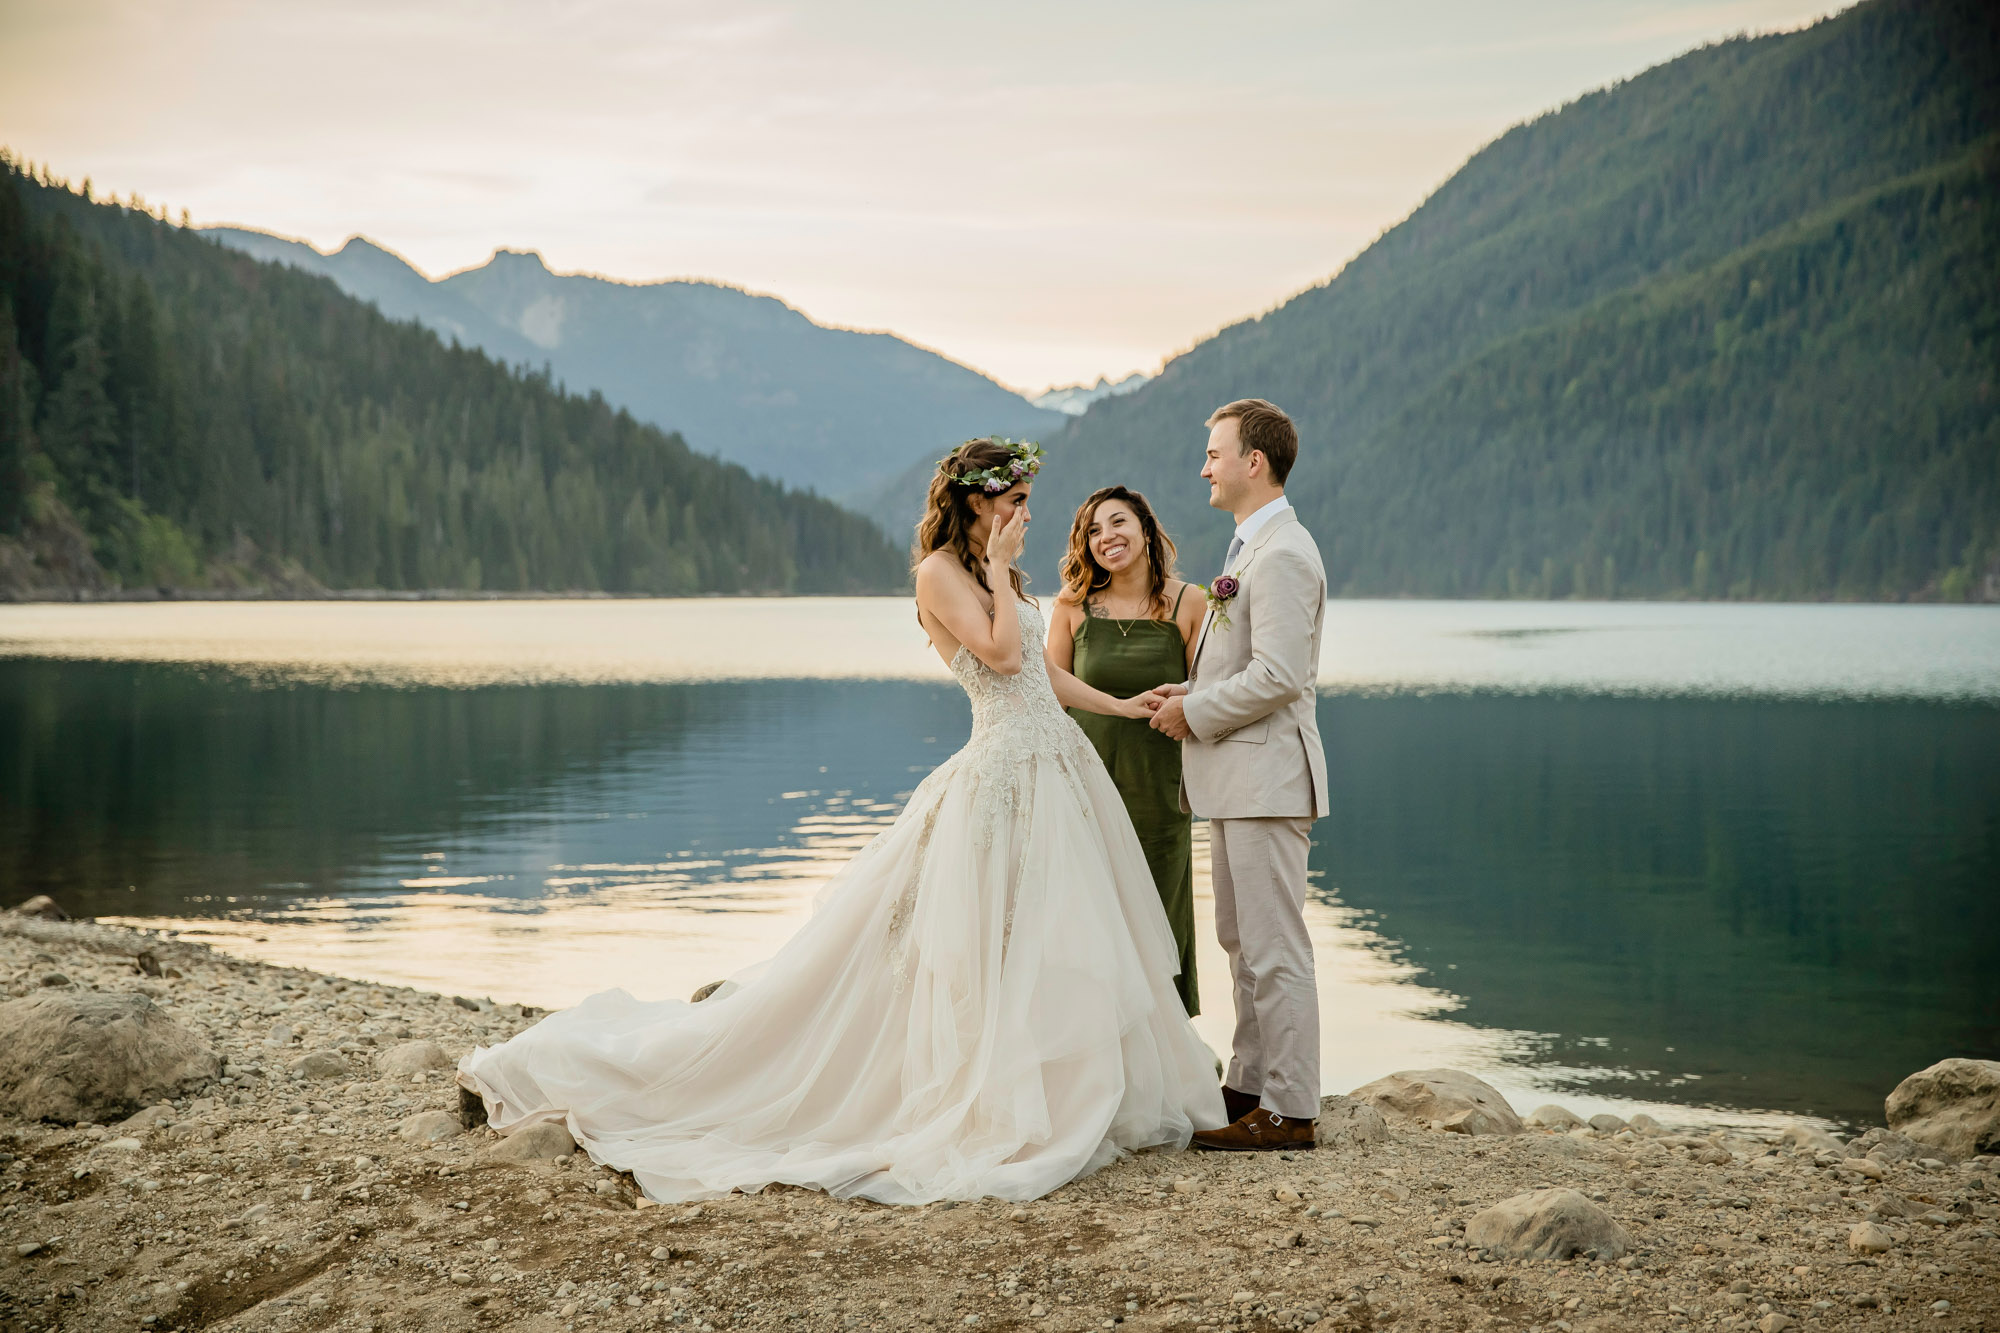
(1277,1121)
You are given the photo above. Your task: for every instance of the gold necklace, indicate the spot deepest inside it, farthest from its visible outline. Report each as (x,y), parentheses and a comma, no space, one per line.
(1124,626)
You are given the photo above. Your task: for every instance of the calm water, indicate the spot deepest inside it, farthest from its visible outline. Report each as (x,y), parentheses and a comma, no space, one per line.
(1741,858)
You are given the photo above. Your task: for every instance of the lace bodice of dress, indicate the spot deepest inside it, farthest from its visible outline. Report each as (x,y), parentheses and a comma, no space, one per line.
(1020,711)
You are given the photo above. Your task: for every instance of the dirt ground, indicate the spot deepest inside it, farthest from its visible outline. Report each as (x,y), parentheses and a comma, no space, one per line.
(284,1204)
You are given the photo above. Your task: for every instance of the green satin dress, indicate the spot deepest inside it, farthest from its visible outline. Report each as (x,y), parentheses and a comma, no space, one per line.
(1124,658)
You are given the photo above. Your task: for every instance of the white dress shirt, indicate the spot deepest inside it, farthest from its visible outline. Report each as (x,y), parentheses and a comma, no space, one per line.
(1254,524)
(1250,527)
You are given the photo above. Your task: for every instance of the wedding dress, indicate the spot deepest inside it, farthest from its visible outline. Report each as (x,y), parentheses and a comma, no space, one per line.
(982,1003)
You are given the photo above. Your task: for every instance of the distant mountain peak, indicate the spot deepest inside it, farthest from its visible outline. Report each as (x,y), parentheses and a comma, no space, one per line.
(1075,399)
(520,258)
(739,373)
(359,242)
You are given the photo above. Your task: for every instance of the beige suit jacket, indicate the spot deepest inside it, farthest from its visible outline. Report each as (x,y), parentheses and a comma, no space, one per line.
(1255,752)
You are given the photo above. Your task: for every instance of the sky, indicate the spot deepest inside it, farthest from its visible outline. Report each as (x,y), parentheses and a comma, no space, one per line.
(1047,191)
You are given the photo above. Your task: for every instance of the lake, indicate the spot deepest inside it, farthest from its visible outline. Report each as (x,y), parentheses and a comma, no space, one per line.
(1744,859)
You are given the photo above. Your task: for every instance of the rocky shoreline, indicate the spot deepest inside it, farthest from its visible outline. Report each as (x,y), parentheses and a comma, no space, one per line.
(303,1167)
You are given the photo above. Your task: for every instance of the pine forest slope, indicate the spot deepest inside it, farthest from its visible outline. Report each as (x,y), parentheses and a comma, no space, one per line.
(742,376)
(208,418)
(1729,328)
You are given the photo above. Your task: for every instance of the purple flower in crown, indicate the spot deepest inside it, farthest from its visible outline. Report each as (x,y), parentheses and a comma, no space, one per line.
(1220,594)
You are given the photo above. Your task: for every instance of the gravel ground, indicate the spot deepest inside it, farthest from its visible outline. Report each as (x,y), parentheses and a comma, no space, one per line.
(281,1203)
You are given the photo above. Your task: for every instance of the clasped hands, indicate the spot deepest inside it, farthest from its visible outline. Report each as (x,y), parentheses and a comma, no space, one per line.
(1164,703)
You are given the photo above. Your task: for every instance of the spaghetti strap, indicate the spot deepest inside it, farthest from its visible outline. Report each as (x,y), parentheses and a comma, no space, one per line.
(1175,614)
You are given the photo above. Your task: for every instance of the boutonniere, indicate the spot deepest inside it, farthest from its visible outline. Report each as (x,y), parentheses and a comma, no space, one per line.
(1220,594)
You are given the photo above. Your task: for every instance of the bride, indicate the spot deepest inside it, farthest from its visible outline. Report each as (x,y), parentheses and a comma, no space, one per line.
(982,1002)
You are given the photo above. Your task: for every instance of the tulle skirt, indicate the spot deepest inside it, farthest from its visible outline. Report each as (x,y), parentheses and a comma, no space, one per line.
(981,1004)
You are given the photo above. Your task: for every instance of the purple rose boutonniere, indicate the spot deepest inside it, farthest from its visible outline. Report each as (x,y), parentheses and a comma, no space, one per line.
(1220,594)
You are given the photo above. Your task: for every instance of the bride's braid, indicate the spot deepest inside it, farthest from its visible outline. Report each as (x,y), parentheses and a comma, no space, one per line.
(948,516)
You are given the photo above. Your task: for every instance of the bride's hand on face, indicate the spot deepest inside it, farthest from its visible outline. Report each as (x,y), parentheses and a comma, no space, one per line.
(1003,546)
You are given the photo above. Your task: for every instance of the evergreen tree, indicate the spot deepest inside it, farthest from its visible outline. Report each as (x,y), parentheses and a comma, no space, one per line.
(198,410)
(1723,330)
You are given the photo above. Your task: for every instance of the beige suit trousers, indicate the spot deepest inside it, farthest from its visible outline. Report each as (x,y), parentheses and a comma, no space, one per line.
(1260,897)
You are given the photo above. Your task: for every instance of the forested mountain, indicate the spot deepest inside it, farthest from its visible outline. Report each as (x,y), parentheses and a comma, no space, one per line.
(743,376)
(1729,328)
(176,413)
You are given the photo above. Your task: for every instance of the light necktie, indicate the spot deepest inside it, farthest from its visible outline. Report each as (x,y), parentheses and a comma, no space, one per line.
(1235,549)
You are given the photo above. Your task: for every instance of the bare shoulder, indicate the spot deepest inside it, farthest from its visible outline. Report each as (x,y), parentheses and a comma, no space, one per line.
(940,569)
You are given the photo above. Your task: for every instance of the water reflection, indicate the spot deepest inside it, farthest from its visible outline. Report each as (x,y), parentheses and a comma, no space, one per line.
(1757,905)
(1768,904)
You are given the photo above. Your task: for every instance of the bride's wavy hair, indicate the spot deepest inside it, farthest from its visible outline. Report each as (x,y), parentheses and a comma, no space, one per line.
(1082,575)
(948,515)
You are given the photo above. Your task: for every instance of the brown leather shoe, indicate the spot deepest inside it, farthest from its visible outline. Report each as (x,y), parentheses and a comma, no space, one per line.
(1259,1131)
(1236,1104)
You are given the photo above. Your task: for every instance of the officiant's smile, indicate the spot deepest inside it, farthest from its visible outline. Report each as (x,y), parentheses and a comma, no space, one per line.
(1114,538)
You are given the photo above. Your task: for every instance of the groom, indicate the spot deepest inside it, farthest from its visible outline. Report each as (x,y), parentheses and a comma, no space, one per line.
(1253,767)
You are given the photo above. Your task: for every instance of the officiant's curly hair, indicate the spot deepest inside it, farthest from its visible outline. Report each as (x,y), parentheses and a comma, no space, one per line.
(948,514)
(1082,575)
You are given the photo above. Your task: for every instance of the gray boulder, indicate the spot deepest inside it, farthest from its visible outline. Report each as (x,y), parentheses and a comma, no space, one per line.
(42,908)
(428,1126)
(1344,1122)
(1813,1139)
(1555,1117)
(321,1064)
(1954,1106)
(1867,1238)
(413,1057)
(92,1056)
(534,1143)
(1606,1123)
(152,1118)
(1448,1099)
(1885,1146)
(1546,1224)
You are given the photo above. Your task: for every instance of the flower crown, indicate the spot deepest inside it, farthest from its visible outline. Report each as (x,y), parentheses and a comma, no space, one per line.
(1025,462)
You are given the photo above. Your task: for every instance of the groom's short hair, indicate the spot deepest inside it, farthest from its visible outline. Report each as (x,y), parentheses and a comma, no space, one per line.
(1263,426)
